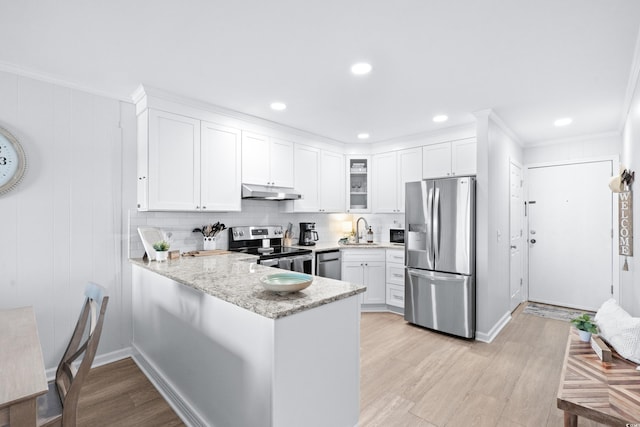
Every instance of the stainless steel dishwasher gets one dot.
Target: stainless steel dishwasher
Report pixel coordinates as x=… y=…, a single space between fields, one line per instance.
x=328 y=264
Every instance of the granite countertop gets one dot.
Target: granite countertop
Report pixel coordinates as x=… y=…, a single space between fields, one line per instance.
x=235 y=278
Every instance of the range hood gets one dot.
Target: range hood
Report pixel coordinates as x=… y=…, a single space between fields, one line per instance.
x=261 y=192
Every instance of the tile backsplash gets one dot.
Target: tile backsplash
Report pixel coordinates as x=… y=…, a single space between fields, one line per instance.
x=254 y=212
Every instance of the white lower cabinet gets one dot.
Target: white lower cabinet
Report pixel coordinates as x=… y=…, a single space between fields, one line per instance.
x=395 y=277
x=366 y=267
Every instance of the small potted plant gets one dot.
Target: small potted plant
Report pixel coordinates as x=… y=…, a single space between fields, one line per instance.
x=585 y=326
x=161 y=248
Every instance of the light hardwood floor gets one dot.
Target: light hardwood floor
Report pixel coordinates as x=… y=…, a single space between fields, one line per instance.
x=410 y=376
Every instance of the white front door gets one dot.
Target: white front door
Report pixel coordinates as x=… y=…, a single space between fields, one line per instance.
x=570 y=234
x=516 y=235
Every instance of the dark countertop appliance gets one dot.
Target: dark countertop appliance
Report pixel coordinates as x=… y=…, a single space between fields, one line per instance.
x=266 y=242
x=396 y=235
x=308 y=234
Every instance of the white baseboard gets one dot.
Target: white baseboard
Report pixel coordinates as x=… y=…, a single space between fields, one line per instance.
x=495 y=330
x=181 y=406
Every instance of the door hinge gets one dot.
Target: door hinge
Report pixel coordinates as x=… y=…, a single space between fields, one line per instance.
x=521 y=281
x=521 y=182
x=611 y=289
x=521 y=232
x=612 y=233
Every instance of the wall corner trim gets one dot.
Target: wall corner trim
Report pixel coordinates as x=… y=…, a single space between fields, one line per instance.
x=632 y=84
x=495 y=330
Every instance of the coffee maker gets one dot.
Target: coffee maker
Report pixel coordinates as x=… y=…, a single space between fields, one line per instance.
x=308 y=234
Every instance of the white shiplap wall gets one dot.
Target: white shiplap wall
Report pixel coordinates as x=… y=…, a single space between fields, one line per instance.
x=63 y=225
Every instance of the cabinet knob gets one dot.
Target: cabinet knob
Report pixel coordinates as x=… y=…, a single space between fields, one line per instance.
x=197 y=207
x=204 y=207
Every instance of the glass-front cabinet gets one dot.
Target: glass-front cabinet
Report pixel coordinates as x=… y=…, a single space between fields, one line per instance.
x=358 y=184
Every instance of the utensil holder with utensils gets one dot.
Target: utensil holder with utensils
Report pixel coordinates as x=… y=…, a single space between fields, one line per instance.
x=210 y=243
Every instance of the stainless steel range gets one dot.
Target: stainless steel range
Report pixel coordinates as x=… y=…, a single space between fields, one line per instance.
x=266 y=242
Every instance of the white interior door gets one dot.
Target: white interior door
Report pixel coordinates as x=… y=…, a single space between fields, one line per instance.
x=516 y=235
x=570 y=234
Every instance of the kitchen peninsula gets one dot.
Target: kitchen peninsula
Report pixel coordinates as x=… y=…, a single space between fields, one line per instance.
x=229 y=353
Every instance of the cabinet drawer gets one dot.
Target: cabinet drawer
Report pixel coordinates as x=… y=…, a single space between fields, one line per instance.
x=396 y=256
x=362 y=255
x=395 y=295
x=395 y=274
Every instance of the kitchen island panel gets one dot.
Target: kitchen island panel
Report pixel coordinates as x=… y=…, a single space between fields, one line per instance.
x=229 y=366
x=317 y=366
x=216 y=356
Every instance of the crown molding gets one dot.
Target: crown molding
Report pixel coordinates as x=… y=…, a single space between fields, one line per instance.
x=49 y=78
x=632 y=84
x=489 y=114
x=579 y=138
x=147 y=96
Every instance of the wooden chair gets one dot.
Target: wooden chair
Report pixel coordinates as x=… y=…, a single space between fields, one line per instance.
x=59 y=407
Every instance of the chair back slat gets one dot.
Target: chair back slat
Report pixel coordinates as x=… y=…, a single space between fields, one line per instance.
x=77 y=359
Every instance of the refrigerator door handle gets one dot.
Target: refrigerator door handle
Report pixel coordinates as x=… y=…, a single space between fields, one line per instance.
x=429 y=223
x=436 y=225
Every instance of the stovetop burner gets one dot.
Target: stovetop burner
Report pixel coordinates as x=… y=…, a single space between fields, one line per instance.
x=249 y=240
x=278 y=252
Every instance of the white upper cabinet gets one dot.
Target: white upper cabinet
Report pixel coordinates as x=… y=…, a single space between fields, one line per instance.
x=319 y=177
x=449 y=159
x=307 y=178
x=331 y=181
x=409 y=170
x=266 y=161
x=436 y=160
x=281 y=162
x=464 y=157
x=187 y=165
x=220 y=157
x=390 y=173
x=385 y=182
x=174 y=162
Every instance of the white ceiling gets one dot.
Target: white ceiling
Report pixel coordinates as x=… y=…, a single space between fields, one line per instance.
x=530 y=61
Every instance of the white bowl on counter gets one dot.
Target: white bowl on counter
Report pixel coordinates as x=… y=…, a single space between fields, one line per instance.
x=284 y=283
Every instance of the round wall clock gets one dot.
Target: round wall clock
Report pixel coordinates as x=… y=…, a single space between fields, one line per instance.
x=13 y=162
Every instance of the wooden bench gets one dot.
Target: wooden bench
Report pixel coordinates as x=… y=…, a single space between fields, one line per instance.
x=608 y=393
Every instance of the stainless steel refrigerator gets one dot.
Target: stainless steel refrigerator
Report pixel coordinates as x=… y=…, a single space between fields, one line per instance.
x=440 y=255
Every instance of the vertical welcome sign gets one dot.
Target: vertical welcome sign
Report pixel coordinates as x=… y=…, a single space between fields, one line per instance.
x=625 y=222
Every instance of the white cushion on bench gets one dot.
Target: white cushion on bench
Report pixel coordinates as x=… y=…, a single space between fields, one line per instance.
x=619 y=329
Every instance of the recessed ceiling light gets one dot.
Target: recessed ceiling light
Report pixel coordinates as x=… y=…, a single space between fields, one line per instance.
x=563 y=122
x=361 y=68
x=363 y=136
x=278 y=106
x=440 y=118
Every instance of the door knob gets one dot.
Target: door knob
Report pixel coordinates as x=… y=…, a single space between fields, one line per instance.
x=532 y=240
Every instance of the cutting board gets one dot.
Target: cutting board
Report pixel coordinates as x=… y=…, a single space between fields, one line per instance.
x=206 y=253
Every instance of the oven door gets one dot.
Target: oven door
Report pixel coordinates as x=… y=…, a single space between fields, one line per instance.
x=284 y=263
x=300 y=263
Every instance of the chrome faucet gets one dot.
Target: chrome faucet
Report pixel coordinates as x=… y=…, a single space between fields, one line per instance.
x=366 y=226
